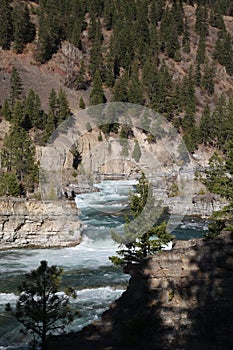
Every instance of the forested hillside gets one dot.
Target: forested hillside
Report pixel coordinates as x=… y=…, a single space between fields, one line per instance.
x=173 y=56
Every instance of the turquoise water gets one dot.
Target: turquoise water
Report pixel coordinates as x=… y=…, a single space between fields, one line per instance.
x=86 y=267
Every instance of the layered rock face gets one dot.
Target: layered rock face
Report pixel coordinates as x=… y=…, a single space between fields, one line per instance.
x=38 y=224
x=179 y=299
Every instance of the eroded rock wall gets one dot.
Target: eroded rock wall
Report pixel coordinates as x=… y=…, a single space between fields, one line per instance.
x=31 y=223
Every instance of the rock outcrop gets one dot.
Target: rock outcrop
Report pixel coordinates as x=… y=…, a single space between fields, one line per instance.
x=32 y=223
x=179 y=299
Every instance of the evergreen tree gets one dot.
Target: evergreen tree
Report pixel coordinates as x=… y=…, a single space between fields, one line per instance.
x=9 y=184
x=40 y=308
x=143 y=237
x=141 y=28
x=97 y=93
x=52 y=121
x=76 y=32
x=136 y=151
x=198 y=75
x=186 y=38
x=206 y=126
x=120 y=92
x=96 y=59
x=33 y=113
x=53 y=103
x=23 y=29
x=201 y=19
x=150 y=78
x=200 y=58
x=216 y=17
x=50 y=31
x=160 y=100
x=109 y=70
x=134 y=94
x=6 y=111
x=16 y=87
x=82 y=103
x=169 y=35
x=18 y=156
x=156 y=10
x=220 y=120
x=154 y=44
x=63 y=110
x=80 y=80
x=178 y=14
x=109 y=11
x=6 y=26
x=189 y=93
x=18 y=116
x=224 y=52
x=207 y=80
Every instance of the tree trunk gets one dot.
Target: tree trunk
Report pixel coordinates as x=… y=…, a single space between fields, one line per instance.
x=44 y=341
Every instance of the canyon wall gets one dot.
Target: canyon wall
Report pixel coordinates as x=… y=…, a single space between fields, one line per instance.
x=32 y=223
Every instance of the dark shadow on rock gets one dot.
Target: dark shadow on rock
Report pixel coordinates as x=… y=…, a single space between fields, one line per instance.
x=129 y=321
x=176 y=300
x=208 y=295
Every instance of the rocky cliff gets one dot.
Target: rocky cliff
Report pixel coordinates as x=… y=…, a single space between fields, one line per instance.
x=38 y=224
x=179 y=299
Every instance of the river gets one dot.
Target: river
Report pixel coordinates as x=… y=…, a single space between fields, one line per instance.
x=86 y=266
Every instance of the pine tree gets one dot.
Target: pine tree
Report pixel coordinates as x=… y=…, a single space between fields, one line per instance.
x=150 y=78
x=135 y=94
x=80 y=80
x=207 y=80
x=6 y=111
x=216 y=17
x=33 y=113
x=6 y=26
x=220 y=118
x=189 y=93
x=40 y=308
x=200 y=58
x=109 y=67
x=198 y=75
x=178 y=13
x=169 y=35
x=142 y=236
x=18 y=156
x=9 y=184
x=224 y=52
x=120 y=92
x=16 y=87
x=63 y=110
x=96 y=59
x=201 y=19
x=51 y=30
x=141 y=28
x=82 y=103
x=76 y=32
x=97 y=94
x=186 y=38
x=136 y=152
x=206 y=125
x=53 y=102
x=156 y=11
x=154 y=44
x=23 y=29
x=108 y=14
x=51 y=122
x=18 y=116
